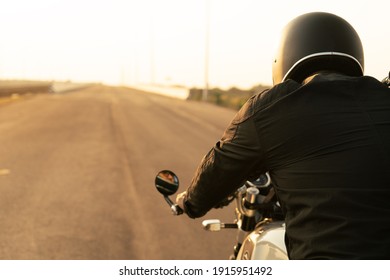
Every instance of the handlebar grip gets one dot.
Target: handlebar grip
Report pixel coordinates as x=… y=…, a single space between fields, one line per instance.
x=176 y=210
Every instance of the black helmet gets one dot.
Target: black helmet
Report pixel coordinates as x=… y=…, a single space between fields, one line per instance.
x=317 y=42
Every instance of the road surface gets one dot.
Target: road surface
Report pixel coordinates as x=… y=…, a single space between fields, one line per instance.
x=77 y=176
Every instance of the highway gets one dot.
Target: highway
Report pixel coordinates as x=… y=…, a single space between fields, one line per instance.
x=77 y=176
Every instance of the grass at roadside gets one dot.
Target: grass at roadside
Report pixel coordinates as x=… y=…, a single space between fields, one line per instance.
x=233 y=98
x=12 y=90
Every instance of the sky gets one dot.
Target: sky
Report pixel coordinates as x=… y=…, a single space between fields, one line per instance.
x=169 y=42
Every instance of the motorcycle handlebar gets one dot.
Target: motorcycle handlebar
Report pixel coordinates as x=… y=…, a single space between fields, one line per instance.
x=176 y=210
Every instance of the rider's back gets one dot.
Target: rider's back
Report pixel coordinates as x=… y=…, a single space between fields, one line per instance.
x=327 y=146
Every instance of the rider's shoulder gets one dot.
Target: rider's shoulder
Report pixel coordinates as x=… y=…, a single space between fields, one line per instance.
x=264 y=99
x=274 y=94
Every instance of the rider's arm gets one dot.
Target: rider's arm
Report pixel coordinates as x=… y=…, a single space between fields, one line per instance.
x=227 y=165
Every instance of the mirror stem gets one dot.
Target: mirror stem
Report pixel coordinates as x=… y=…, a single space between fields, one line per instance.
x=176 y=210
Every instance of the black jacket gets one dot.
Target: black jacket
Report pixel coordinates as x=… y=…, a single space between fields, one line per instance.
x=326 y=145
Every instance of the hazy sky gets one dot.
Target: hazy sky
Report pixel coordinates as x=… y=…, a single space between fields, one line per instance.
x=164 y=41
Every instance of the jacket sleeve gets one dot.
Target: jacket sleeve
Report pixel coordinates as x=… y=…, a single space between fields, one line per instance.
x=234 y=159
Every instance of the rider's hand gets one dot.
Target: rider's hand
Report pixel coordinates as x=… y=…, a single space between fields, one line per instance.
x=180 y=199
x=183 y=203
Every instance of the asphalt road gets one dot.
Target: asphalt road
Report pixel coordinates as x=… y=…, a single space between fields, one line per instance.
x=77 y=176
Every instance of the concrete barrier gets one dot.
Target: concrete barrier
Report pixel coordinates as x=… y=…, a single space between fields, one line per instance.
x=177 y=92
x=59 y=87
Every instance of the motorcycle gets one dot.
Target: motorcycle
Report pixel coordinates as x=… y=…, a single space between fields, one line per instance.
x=259 y=220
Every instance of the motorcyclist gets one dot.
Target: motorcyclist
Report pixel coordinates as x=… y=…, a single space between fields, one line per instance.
x=323 y=134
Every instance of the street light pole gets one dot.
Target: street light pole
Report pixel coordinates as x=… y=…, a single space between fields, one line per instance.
x=152 y=49
x=207 y=50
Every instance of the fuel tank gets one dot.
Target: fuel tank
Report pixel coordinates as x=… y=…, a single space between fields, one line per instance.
x=266 y=242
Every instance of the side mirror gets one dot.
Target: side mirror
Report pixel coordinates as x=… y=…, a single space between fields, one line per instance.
x=167 y=183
